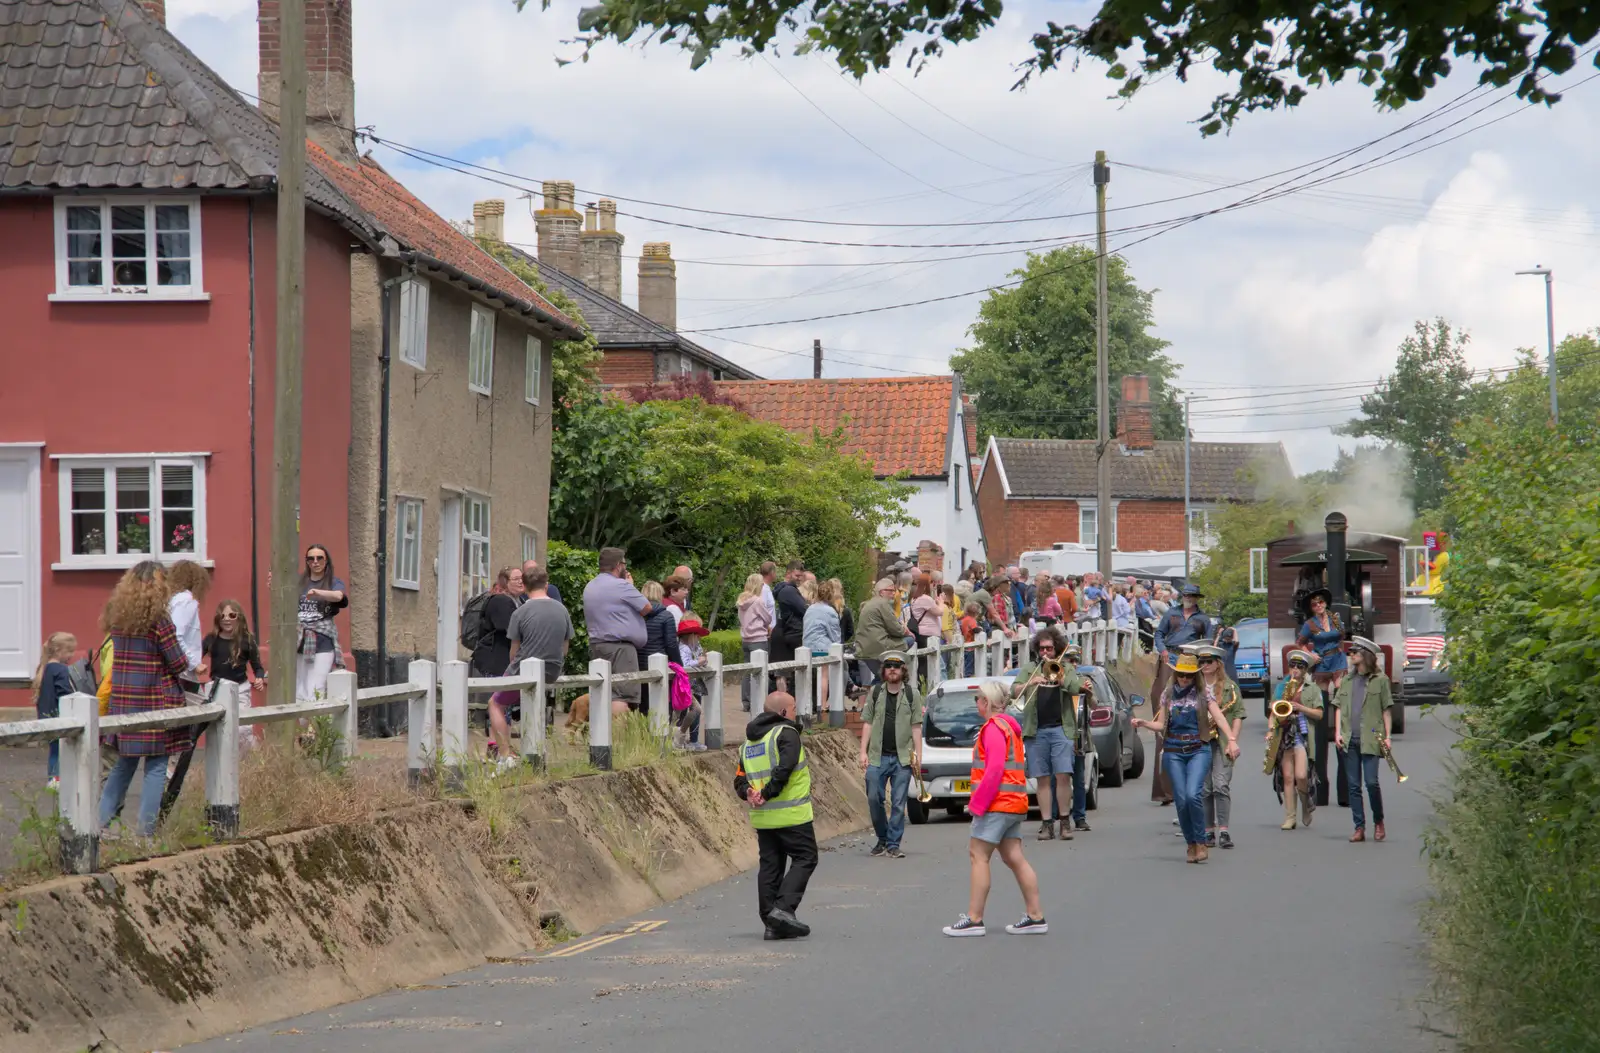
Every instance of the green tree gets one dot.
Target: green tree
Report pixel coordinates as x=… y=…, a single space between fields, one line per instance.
x=1032 y=363
x=574 y=364
x=675 y=481
x=1273 y=53
x=1418 y=405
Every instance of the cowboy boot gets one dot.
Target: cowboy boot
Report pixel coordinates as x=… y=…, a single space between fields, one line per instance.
x=1288 y=811
x=1378 y=832
x=1307 y=806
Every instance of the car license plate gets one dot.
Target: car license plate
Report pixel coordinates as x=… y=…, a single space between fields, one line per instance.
x=1410 y=679
x=961 y=786
x=1249 y=676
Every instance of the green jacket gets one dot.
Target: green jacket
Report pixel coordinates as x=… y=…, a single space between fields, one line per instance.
x=1071 y=692
x=1379 y=699
x=878 y=630
x=1231 y=703
x=1310 y=696
x=908 y=711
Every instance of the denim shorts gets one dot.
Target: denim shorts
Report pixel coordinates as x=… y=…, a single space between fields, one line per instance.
x=1049 y=753
x=994 y=827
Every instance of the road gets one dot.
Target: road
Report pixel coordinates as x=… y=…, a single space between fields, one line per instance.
x=1292 y=941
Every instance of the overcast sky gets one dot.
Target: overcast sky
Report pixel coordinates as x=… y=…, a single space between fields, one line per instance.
x=1317 y=287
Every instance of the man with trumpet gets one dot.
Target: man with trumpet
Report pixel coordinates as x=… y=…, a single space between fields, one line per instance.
x=891 y=747
x=1290 y=744
x=1361 y=709
x=1049 y=729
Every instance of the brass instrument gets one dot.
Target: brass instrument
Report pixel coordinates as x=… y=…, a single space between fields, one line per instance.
x=1054 y=673
x=923 y=794
x=1388 y=755
x=1282 y=710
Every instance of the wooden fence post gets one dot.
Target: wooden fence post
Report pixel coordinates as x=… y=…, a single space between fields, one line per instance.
x=836 y=682
x=758 y=687
x=342 y=685
x=804 y=695
x=713 y=713
x=222 y=764
x=660 y=695
x=533 y=753
x=453 y=725
x=600 y=715
x=80 y=784
x=420 y=719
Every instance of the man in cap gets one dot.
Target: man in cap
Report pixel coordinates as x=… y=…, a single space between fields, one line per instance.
x=891 y=746
x=1181 y=625
x=878 y=631
x=1361 y=726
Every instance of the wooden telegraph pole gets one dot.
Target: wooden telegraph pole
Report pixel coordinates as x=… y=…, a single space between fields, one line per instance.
x=1102 y=377
x=291 y=251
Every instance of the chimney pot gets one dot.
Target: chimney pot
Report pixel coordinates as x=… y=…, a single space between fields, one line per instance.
x=608 y=214
x=156 y=10
x=489 y=219
x=330 y=63
x=602 y=249
x=591 y=218
x=1134 y=428
x=658 y=284
x=560 y=229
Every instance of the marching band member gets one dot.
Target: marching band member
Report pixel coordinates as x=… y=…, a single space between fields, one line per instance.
x=1186 y=716
x=1323 y=634
x=1219 y=780
x=1361 y=712
x=1295 y=743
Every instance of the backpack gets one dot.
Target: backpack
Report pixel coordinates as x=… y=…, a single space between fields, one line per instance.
x=472 y=623
x=84 y=674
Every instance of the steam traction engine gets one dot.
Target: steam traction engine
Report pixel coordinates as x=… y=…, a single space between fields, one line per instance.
x=1364 y=572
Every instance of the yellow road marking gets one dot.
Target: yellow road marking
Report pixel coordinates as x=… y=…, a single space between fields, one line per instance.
x=589 y=944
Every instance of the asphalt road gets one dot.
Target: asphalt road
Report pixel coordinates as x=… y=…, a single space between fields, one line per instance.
x=1292 y=941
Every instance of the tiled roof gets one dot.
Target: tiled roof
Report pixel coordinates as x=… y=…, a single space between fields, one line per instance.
x=422 y=229
x=1218 y=471
x=616 y=325
x=95 y=95
x=900 y=424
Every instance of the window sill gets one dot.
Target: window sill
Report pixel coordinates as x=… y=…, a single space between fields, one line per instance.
x=124 y=562
x=104 y=297
x=408 y=586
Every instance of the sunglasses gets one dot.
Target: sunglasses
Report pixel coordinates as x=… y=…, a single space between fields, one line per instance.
x=1208 y=661
x=893 y=665
x=316 y=559
x=1299 y=665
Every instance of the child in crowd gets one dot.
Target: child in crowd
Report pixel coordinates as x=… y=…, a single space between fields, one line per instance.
x=969 y=632
x=231 y=653
x=692 y=655
x=50 y=684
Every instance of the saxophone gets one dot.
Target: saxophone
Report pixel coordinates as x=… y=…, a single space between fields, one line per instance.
x=1282 y=711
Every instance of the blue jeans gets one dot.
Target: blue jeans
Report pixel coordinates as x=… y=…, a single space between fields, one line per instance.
x=117 y=783
x=889 y=825
x=1363 y=769
x=1187 y=773
x=53 y=765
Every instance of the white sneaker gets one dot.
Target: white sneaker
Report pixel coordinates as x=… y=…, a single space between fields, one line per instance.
x=505 y=764
x=1029 y=927
x=54 y=785
x=965 y=926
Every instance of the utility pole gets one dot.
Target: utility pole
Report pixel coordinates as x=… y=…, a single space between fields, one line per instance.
x=816 y=360
x=1102 y=378
x=1188 y=534
x=1550 y=332
x=286 y=395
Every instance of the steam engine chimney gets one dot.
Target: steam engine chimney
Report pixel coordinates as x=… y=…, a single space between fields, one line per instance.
x=602 y=249
x=330 y=83
x=559 y=226
x=1134 y=429
x=658 y=284
x=489 y=219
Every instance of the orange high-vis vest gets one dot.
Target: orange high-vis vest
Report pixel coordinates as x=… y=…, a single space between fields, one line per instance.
x=1013 y=796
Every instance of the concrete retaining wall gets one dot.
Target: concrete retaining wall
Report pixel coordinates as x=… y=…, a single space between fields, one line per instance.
x=174 y=950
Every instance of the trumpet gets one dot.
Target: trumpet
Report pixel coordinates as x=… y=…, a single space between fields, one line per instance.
x=1388 y=755
x=923 y=794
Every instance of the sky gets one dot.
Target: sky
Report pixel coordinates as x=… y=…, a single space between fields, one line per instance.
x=1279 y=314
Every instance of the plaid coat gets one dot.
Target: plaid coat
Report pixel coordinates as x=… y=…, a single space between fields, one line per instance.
x=144 y=678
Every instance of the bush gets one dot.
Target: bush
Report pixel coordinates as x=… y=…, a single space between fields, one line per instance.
x=727 y=643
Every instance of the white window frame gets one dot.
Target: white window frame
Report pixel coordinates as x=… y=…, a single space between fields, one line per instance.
x=533 y=369
x=1093 y=510
x=408 y=540
x=530 y=543
x=480 y=351
x=1205 y=537
x=1090 y=505
x=106 y=292
x=153 y=463
x=414 y=295
x=476 y=575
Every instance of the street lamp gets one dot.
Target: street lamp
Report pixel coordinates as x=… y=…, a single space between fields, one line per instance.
x=1550 y=332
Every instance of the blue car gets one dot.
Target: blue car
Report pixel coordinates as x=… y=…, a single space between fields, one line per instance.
x=1250 y=661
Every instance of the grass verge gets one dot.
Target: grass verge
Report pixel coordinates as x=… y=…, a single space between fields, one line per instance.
x=1514 y=920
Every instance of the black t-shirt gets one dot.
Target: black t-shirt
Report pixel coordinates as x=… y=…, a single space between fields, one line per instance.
x=1049 y=706
x=493 y=652
x=226 y=665
x=891 y=700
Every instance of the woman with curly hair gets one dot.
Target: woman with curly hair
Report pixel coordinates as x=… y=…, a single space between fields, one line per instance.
x=147 y=662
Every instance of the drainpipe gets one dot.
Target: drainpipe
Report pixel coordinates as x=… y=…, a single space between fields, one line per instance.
x=383 y=485
x=250 y=255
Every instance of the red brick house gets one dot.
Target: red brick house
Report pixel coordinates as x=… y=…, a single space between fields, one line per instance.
x=1033 y=493
x=921 y=429
x=137 y=212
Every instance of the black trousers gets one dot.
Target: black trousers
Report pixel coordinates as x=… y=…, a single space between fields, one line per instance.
x=791 y=847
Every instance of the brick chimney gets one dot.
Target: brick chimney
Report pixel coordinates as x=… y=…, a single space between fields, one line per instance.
x=156 y=10
x=330 y=83
x=658 y=284
x=602 y=249
x=489 y=219
x=1134 y=429
x=560 y=226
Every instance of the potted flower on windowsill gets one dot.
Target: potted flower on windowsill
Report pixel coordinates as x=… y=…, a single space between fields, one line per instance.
x=182 y=539
x=134 y=537
x=94 y=542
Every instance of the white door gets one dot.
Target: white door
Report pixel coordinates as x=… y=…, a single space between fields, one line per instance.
x=19 y=562
x=447 y=647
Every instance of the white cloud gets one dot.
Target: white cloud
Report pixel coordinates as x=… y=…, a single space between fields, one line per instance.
x=1316 y=286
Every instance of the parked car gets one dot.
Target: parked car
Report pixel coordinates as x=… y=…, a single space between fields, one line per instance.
x=1426 y=677
x=1250 y=662
x=1119 y=749
x=949 y=731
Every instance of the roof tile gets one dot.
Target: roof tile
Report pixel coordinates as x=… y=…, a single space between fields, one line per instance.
x=900 y=424
x=1219 y=471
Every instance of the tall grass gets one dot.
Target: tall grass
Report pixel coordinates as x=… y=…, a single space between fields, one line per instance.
x=1515 y=920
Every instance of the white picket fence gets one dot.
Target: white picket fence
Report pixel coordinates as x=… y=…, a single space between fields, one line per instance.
x=439 y=710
